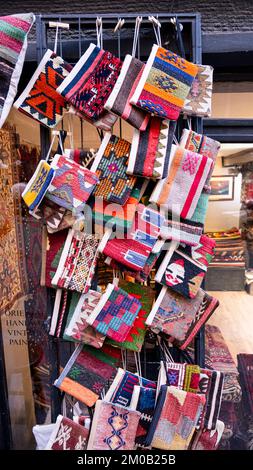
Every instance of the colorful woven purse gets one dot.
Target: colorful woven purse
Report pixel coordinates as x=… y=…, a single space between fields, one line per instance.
x=89 y=84
x=181 y=273
x=136 y=336
x=122 y=387
x=39 y=99
x=110 y=166
x=199 y=99
x=203 y=253
x=192 y=378
x=176 y=415
x=182 y=231
x=143 y=400
x=72 y=184
x=13 y=44
x=164 y=84
x=119 y=99
x=113 y=427
x=77 y=263
x=38 y=185
x=181 y=190
x=68 y=435
x=115 y=313
x=150 y=149
x=202 y=144
x=78 y=329
x=87 y=372
x=135 y=247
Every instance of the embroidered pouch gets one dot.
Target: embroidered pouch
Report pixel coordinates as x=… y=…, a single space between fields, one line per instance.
x=77 y=263
x=150 y=149
x=91 y=81
x=78 y=328
x=87 y=373
x=13 y=44
x=68 y=435
x=113 y=427
x=119 y=99
x=175 y=418
x=115 y=313
x=202 y=144
x=135 y=339
x=110 y=166
x=164 y=84
x=182 y=231
x=52 y=247
x=72 y=184
x=180 y=191
x=40 y=99
x=180 y=318
x=149 y=264
x=205 y=439
x=181 y=273
x=120 y=217
x=199 y=99
x=136 y=246
x=37 y=187
x=183 y=376
x=191 y=378
x=143 y=400
x=122 y=387
x=203 y=253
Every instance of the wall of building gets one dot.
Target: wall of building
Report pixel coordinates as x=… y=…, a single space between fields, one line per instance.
x=217 y=16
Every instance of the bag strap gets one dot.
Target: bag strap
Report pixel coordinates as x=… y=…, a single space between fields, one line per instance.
x=157 y=29
x=138 y=22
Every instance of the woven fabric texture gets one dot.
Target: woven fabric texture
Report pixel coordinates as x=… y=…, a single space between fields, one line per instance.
x=91 y=81
x=38 y=185
x=165 y=83
x=40 y=100
x=199 y=99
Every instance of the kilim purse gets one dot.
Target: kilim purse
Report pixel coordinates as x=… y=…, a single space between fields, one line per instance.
x=203 y=252
x=78 y=328
x=122 y=387
x=182 y=231
x=203 y=145
x=39 y=99
x=180 y=191
x=150 y=149
x=205 y=439
x=37 y=187
x=52 y=247
x=91 y=81
x=68 y=435
x=200 y=212
x=181 y=273
x=13 y=44
x=115 y=313
x=72 y=184
x=143 y=400
x=110 y=166
x=191 y=378
x=134 y=249
x=113 y=427
x=87 y=372
x=199 y=99
x=136 y=336
x=164 y=84
x=176 y=415
x=119 y=99
x=77 y=263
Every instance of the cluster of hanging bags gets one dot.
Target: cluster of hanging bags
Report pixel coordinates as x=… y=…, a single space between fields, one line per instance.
x=181 y=409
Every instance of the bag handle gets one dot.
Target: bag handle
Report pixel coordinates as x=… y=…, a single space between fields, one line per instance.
x=138 y=22
x=157 y=29
x=99 y=30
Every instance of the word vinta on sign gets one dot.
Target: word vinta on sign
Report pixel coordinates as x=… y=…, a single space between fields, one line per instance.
x=16 y=327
